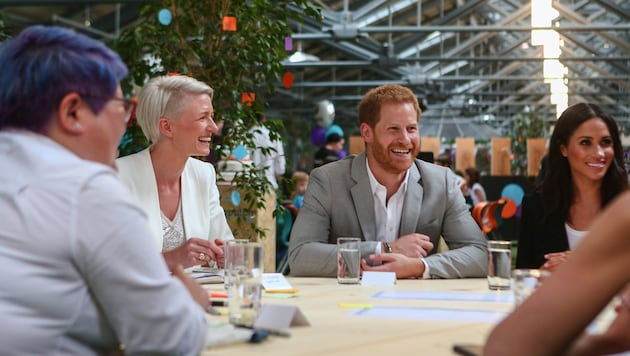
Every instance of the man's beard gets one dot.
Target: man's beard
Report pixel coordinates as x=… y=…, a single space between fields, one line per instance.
x=396 y=166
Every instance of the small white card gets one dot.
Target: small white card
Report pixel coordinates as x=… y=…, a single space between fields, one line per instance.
x=370 y=278
x=275 y=281
x=279 y=317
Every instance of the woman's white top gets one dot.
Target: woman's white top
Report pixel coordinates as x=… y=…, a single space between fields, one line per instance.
x=477 y=188
x=174 y=235
x=574 y=236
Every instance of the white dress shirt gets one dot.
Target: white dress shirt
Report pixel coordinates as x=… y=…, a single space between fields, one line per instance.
x=273 y=162
x=78 y=271
x=387 y=214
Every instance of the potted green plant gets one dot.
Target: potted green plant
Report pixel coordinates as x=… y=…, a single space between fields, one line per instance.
x=235 y=46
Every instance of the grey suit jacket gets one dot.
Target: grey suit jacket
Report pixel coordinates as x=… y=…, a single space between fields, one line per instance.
x=339 y=202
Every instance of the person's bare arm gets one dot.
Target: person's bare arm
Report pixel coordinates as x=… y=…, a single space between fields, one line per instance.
x=601 y=264
x=615 y=339
x=196 y=291
x=480 y=195
x=194 y=251
x=554 y=260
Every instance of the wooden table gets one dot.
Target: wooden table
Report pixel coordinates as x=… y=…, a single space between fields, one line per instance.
x=334 y=331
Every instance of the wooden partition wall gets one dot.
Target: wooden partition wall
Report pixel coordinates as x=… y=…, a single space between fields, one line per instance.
x=501 y=152
x=430 y=144
x=536 y=149
x=464 y=153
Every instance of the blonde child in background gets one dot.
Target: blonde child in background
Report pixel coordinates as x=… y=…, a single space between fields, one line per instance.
x=300 y=181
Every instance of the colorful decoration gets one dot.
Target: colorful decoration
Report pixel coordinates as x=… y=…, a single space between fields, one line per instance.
x=318 y=136
x=229 y=23
x=514 y=192
x=165 y=17
x=287 y=80
x=325 y=113
x=248 y=98
x=240 y=152
x=288 y=43
x=489 y=215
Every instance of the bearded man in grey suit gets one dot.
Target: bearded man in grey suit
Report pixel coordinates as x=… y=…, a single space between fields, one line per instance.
x=399 y=206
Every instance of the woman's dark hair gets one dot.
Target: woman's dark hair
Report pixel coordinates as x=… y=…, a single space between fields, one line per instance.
x=557 y=187
x=474 y=175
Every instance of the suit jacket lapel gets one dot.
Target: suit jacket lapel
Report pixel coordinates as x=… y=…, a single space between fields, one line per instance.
x=147 y=192
x=413 y=202
x=362 y=197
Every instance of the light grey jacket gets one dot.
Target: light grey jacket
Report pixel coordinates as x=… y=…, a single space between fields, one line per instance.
x=339 y=202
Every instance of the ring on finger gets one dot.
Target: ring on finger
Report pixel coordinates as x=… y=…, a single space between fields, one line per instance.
x=202 y=256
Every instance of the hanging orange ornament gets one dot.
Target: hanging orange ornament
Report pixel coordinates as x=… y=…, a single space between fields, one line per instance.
x=248 y=98
x=229 y=23
x=287 y=80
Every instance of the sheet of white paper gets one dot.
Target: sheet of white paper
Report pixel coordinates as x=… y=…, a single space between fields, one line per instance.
x=206 y=270
x=427 y=313
x=275 y=281
x=378 y=278
x=495 y=297
x=207 y=278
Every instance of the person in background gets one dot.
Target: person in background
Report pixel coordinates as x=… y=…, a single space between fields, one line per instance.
x=178 y=192
x=464 y=188
x=475 y=189
x=77 y=276
x=329 y=152
x=585 y=173
x=398 y=205
x=273 y=161
x=568 y=300
x=300 y=181
x=444 y=160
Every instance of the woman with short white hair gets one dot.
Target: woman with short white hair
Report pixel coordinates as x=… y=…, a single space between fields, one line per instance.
x=178 y=192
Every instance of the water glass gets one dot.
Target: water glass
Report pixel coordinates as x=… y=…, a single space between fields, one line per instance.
x=525 y=282
x=245 y=282
x=499 y=264
x=348 y=260
x=226 y=263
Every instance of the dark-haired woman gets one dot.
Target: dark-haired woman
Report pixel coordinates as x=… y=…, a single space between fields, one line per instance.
x=586 y=171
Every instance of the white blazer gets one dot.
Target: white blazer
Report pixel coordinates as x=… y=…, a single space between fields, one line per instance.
x=201 y=209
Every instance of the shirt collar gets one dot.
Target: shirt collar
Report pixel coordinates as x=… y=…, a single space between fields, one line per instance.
x=375 y=185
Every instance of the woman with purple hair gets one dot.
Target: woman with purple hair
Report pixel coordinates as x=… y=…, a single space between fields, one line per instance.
x=78 y=277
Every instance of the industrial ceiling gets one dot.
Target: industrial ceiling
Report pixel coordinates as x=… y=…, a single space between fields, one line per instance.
x=472 y=63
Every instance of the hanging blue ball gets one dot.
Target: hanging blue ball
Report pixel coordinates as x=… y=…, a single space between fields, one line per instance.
x=165 y=17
